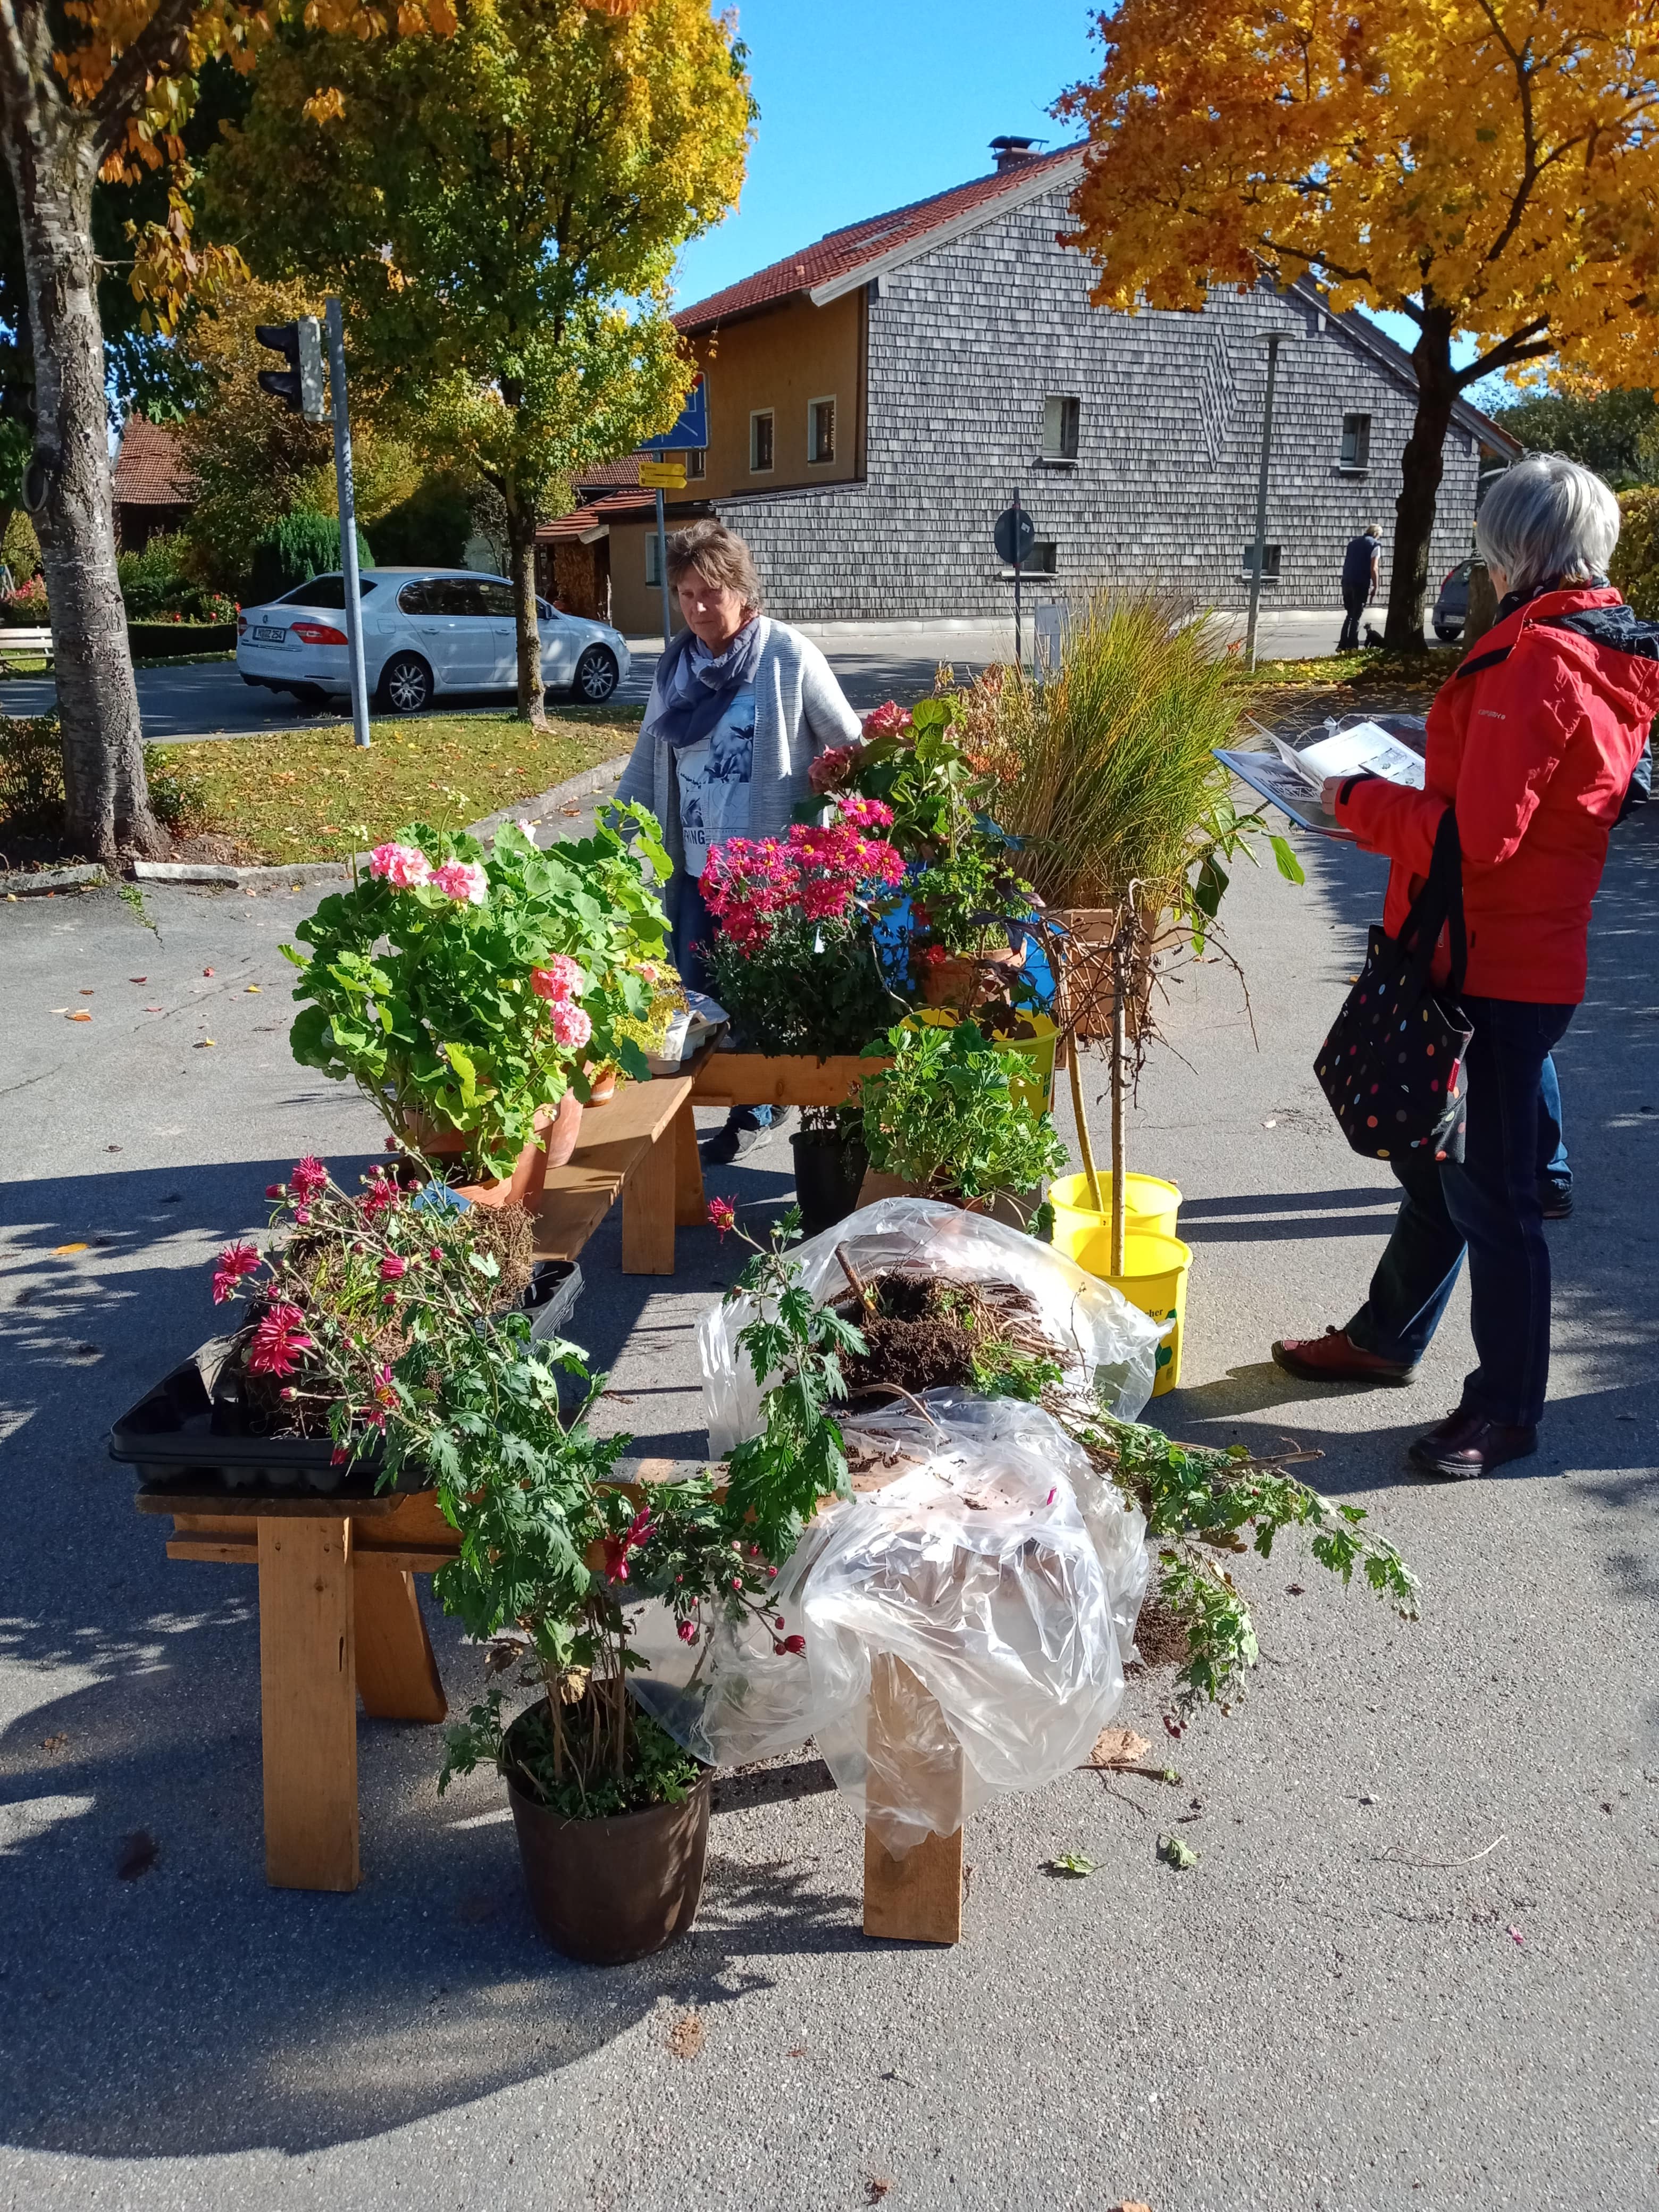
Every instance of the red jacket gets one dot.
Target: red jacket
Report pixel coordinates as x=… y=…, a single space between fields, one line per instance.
x=1534 y=740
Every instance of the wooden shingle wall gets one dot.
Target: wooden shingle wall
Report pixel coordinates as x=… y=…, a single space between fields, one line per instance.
x=964 y=345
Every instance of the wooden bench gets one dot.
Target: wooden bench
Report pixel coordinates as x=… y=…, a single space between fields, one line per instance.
x=640 y=1146
x=33 y=643
x=339 y=1619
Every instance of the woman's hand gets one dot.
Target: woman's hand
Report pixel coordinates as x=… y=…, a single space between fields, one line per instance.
x=1327 y=792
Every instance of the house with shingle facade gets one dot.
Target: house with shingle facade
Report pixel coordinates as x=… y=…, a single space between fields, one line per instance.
x=875 y=401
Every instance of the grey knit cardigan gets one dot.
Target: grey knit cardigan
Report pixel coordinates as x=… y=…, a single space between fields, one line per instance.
x=799 y=712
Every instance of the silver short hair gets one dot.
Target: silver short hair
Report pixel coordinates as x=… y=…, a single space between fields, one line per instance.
x=1548 y=518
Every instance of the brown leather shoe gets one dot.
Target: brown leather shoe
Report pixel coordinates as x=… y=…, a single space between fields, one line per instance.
x=1467 y=1444
x=1335 y=1358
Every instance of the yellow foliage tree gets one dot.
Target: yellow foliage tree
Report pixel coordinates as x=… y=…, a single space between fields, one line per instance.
x=1483 y=167
x=100 y=88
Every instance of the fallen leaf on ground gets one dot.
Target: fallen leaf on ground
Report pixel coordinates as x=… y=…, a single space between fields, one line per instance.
x=80 y=1015
x=86 y=991
x=58 y=1250
x=875 y=2191
x=135 y=1855
x=688 y=2035
x=1117 y=1747
x=1131 y=2205
x=138 y=979
x=202 y=1043
x=53 y=1743
x=1069 y=1862
x=254 y=988
x=207 y=971
x=154 y=1010
x=1519 y=1936
x=1176 y=1853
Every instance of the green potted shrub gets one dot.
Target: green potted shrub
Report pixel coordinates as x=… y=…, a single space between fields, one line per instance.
x=945 y=1120
x=468 y=993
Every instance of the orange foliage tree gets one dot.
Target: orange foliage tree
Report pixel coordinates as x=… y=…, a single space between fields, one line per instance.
x=1483 y=167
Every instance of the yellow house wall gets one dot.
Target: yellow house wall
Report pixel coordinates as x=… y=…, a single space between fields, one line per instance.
x=784 y=360
x=636 y=606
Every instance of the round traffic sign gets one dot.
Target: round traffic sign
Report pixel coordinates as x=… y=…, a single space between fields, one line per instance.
x=1014 y=529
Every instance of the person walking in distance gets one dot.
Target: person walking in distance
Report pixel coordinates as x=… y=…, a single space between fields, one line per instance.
x=1359 y=566
x=1533 y=744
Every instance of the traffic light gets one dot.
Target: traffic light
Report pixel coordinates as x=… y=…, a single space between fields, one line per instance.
x=300 y=385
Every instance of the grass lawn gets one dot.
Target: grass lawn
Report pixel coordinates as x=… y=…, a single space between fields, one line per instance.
x=312 y=795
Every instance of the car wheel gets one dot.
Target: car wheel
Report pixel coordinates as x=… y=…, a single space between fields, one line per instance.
x=1449 y=634
x=596 y=676
x=309 y=698
x=406 y=684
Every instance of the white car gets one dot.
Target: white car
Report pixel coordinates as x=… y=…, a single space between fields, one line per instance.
x=426 y=632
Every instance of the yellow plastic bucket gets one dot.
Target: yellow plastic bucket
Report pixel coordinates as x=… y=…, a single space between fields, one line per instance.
x=1154 y=1278
x=1150 y=1209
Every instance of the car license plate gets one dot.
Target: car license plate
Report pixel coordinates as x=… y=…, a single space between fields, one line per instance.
x=264 y=635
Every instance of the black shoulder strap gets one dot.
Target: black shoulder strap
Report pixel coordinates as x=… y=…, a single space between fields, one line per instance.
x=1439 y=904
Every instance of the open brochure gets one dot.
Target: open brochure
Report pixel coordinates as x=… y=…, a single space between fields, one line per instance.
x=1291 y=777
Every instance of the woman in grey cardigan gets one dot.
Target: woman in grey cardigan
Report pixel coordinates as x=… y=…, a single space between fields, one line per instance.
x=739 y=708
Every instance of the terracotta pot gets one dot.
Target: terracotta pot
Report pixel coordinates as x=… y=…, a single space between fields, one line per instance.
x=608 y=1891
x=601 y=1085
x=965 y=980
x=558 y=1129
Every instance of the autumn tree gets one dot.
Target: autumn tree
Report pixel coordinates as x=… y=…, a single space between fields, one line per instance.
x=500 y=213
x=1483 y=167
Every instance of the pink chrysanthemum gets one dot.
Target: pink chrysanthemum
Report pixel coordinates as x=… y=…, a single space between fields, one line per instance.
x=866 y=813
x=233 y=1262
x=278 y=1340
x=722 y=1215
x=401 y=866
x=309 y=1180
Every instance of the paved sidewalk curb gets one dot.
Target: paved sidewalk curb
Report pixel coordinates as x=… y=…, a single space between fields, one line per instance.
x=51 y=880
x=573 y=789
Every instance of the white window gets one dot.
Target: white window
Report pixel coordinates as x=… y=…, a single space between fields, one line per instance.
x=821 y=430
x=1269 y=561
x=760 y=443
x=653 y=557
x=1042 y=560
x=696 y=460
x=1060 y=424
x=1356 y=441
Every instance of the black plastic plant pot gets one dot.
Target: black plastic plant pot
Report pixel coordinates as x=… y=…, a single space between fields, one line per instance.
x=194 y=1428
x=828 y=1173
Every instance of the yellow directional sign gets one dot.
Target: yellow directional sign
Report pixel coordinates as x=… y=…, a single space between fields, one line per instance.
x=670 y=475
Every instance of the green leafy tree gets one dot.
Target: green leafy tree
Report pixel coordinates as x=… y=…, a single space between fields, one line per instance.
x=1609 y=428
x=500 y=211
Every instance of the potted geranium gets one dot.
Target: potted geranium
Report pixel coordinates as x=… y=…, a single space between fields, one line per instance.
x=474 y=996
x=794 y=963
x=945 y=1119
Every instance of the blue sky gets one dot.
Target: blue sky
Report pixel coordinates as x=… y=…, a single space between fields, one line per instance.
x=867 y=105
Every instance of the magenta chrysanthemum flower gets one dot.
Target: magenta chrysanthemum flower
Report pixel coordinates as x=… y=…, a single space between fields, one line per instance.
x=722 y=1215
x=278 y=1340
x=309 y=1180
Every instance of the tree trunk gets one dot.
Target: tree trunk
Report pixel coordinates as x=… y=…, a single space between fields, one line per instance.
x=521 y=519
x=1421 y=472
x=107 y=814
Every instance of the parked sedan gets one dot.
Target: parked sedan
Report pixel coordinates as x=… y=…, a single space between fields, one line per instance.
x=1451 y=605
x=426 y=632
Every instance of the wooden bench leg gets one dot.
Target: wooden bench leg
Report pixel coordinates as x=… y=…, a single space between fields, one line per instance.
x=308 y=1702
x=917 y=1899
x=396 y=1673
x=691 y=1208
x=648 y=1210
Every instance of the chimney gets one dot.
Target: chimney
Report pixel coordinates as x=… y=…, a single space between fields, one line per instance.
x=1013 y=153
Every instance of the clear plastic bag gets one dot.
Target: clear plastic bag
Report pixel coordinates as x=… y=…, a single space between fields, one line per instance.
x=987 y=1591
x=1106 y=1345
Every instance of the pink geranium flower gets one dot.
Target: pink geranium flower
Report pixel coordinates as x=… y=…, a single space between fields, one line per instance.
x=278 y=1340
x=561 y=978
x=401 y=866
x=831 y=769
x=571 y=1026
x=462 y=879
x=890 y=719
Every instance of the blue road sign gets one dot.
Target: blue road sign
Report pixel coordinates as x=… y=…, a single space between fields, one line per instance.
x=691 y=429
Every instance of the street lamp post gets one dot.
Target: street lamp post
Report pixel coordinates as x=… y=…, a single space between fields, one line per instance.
x=1275 y=338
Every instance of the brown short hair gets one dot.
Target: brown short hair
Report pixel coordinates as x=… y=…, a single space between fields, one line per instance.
x=719 y=556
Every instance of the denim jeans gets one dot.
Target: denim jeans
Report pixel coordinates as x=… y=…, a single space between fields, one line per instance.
x=693 y=927
x=1552 y=1164
x=1488 y=1205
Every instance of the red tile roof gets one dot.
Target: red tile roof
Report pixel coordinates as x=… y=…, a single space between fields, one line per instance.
x=150 y=470
x=616 y=507
x=604 y=474
x=844 y=253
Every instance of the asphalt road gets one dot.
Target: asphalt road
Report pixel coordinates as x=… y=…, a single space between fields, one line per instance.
x=874 y=661
x=1413 y=1967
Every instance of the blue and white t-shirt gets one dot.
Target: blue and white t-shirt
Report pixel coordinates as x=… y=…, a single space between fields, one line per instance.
x=714 y=776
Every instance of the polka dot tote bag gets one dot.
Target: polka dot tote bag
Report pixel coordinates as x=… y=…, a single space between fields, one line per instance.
x=1392 y=1067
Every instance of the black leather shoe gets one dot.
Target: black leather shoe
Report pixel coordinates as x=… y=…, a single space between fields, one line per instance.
x=1467 y=1444
x=1556 y=1199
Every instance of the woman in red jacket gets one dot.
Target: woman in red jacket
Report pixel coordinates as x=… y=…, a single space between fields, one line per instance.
x=1533 y=742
